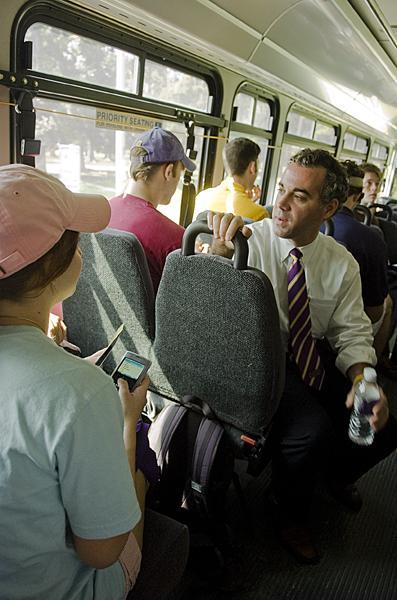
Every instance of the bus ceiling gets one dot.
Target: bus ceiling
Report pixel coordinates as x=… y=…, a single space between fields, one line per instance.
x=340 y=52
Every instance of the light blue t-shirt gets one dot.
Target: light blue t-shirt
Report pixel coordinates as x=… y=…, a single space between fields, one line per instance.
x=62 y=467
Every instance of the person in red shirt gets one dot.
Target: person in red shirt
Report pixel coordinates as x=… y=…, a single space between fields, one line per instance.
x=157 y=163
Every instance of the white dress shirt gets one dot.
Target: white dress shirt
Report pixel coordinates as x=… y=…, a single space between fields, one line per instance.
x=333 y=286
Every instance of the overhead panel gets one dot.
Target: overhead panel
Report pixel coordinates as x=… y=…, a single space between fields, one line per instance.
x=258 y=15
x=199 y=20
x=389 y=10
x=316 y=34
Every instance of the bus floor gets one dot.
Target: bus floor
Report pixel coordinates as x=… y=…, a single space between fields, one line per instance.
x=359 y=551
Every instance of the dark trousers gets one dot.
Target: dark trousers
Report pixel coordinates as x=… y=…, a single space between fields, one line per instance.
x=311 y=437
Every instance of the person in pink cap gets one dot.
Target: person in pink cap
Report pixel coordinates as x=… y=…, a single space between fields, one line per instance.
x=71 y=498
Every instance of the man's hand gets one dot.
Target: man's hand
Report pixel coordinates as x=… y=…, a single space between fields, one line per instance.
x=224 y=227
x=380 y=411
x=255 y=193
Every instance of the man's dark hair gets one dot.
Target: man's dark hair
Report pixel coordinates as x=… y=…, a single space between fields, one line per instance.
x=370 y=168
x=335 y=183
x=32 y=279
x=353 y=170
x=238 y=154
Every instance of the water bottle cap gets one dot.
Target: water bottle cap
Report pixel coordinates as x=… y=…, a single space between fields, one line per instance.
x=369 y=374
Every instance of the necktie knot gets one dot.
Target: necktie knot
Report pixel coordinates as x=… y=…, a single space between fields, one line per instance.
x=296 y=253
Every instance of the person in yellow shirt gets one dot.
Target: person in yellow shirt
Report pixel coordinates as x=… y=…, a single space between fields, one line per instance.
x=237 y=193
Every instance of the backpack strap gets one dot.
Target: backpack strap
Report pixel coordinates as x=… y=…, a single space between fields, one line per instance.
x=163 y=429
x=205 y=448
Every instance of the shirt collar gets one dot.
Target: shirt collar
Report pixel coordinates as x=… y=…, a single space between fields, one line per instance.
x=230 y=184
x=308 y=251
x=346 y=211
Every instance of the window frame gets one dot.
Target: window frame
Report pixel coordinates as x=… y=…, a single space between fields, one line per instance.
x=79 y=21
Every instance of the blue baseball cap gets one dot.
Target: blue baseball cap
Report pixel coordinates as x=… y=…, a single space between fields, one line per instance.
x=162 y=146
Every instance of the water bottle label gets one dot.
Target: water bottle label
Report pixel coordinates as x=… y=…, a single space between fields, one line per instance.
x=365 y=407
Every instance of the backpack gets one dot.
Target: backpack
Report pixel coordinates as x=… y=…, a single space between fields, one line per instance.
x=195 y=461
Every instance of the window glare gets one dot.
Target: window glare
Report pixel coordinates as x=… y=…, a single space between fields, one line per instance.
x=245 y=108
x=287 y=151
x=170 y=85
x=300 y=125
x=262 y=115
x=60 y=52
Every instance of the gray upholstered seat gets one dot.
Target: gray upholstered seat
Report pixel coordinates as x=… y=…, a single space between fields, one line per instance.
x=218 y=335
x=115 y=287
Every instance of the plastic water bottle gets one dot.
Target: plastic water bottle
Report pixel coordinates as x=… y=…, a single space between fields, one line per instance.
x=367 y=395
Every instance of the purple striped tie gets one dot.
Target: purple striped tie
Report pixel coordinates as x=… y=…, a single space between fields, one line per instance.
x=301 y=342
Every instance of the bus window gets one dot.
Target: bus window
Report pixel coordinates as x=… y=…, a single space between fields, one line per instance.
x=174 y=86
x=262 y=143
x=253 y=120
x=245 y=108
x=305 y=131
x=355 y=147
x=89 y=158
x=56 y=51
x=379 y=154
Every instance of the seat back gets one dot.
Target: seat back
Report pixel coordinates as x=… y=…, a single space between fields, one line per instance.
x=389 y=230
x=114 y=287
x=385 y=212
x=363 y=214
x=218 y=335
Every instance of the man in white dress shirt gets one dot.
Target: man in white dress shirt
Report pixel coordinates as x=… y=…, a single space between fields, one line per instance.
x=310 y=430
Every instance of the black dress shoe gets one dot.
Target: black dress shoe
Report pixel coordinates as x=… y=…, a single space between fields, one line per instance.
x=297 y=540
x=348 y=495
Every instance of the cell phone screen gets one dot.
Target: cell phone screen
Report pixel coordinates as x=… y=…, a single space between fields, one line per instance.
x=131 y=368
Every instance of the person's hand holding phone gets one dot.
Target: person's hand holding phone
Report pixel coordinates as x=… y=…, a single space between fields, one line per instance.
x=132 y=402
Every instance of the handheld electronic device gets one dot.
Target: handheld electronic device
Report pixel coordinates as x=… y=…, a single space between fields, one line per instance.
x=99 y=361
x=132 y=368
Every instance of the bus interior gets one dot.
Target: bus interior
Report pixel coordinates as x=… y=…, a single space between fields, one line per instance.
x=80 y=80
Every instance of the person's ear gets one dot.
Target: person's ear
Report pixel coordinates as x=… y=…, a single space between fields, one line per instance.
x=331 y=208
x=168 y=171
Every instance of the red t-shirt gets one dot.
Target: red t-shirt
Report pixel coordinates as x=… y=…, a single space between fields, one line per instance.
x=157 y=233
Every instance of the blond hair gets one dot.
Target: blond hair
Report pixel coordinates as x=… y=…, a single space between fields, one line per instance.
x=144 y=171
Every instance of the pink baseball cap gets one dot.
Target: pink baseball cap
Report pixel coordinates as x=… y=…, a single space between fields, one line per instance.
x=35 y=210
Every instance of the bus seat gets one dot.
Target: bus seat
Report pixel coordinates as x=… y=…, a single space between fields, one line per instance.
x=389 y=230
x=164 y=557
x=115 y=287
x=363 y=214
x=218 y=335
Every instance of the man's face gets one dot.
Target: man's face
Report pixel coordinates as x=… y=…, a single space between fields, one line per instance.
x=299 y=212
x=371 y=184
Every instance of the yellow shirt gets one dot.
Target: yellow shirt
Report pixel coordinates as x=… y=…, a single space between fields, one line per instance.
x=230 y=196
